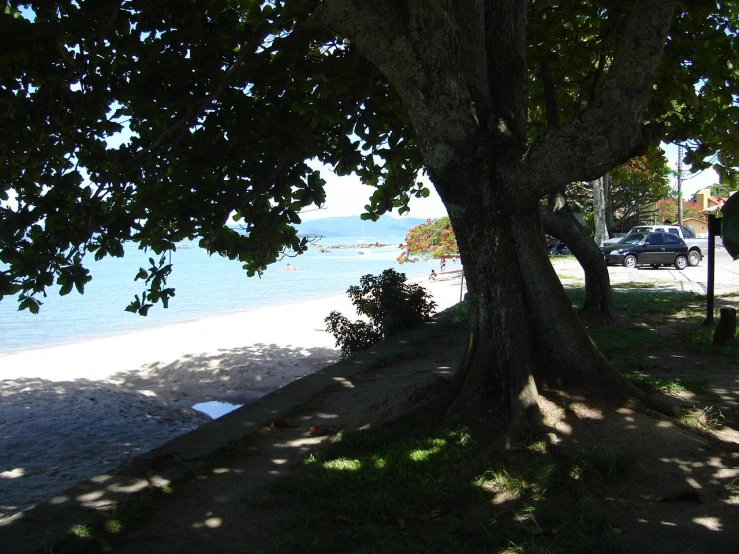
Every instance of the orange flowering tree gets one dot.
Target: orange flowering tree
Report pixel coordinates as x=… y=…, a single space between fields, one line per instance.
x=433 y=239
x=667 y=209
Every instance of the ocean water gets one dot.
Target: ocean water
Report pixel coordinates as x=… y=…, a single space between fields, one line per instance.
x=205 y=285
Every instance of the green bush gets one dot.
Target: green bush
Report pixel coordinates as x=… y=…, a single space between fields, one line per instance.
x=390 y=306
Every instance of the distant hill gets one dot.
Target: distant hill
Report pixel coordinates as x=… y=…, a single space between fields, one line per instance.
x=353 y=226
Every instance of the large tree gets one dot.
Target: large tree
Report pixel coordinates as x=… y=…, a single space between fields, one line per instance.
x=226 y=100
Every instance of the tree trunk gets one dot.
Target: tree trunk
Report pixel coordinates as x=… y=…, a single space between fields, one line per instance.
x=524 y=333
x=598 y=295
x=599 y=208
x=459 y=69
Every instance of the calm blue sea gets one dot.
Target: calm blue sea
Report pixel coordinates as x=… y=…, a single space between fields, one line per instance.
x=205 y=285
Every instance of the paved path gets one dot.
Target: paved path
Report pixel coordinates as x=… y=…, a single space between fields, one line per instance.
x=691 y=279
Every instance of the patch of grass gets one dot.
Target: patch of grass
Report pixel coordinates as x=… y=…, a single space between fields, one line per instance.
x=648 y=306
x=626 y=339
x=387 y=490
x=402 y=489
x=114 y=525
x=82 y=531
x=655 y=306
x=634 y=285
x=673 y=386
x=502 y=481
x=454 y=318
x=699 y=338
x=706 y=418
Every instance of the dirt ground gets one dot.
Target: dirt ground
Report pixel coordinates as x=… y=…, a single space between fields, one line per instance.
x=683 y=496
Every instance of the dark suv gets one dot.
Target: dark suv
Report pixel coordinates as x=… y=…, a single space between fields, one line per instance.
x=655 y=249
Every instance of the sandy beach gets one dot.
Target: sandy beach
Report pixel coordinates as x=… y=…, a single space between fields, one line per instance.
x=72 y=411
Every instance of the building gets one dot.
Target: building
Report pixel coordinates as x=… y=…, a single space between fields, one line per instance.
x=707 y=202
x=699 y=226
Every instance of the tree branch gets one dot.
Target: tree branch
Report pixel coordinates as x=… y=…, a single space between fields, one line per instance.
x=505 y=36
x=610 y=130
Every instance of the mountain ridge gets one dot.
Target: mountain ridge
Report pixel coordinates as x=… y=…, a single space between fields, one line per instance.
x=354 y=226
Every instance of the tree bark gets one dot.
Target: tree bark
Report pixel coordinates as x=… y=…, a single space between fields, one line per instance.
x=598 y=295
x=599 y=208
x=527 y=334
x=471 y=128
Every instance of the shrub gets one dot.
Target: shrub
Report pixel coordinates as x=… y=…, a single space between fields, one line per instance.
x=390 y=306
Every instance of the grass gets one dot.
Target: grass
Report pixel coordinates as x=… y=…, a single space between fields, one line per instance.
x=643 y=312
x=387 y=490
x=648 y=306
x=634 y=285
x=405 y=489
x=705 y=418
x=672 y=386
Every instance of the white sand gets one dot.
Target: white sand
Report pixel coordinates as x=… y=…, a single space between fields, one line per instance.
x=69 y=412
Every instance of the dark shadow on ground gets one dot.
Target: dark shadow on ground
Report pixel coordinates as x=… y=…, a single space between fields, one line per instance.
x=238 y=375
x=54 y=434
x=622 y=479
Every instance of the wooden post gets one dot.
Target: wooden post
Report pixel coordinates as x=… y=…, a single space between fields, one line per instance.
x=726 y=329
x=714 y=228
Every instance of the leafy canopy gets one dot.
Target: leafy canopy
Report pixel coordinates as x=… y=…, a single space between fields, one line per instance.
x=142 y=122
x=150 y=124
x=635 y=188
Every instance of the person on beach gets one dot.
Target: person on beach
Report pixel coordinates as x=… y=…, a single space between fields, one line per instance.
x=443 y=264
x=432 y=277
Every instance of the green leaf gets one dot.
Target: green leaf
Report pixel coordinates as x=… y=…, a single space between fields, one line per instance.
x=66 y=288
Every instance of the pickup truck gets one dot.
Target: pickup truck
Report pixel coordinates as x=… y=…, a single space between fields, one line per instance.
x=696 y=246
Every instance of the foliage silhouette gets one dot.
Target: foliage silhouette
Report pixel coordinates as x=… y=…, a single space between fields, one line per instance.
x=390 y=304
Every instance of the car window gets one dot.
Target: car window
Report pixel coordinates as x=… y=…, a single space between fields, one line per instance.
x=640 y=230
x=672 y=239
x=634 y=238
x=654 y=239
x=688 y=232
x=660 y=229
x=674 y=231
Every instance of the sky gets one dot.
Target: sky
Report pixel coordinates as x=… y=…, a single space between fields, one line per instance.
x=692 y=182
x=348 y=196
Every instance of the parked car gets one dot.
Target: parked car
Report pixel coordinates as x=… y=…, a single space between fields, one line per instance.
x=559 y=248
x=655 y=249
x=696 y=246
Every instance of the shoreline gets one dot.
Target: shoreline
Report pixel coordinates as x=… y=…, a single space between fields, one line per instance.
x=80 y=409
x=187 y=318
x=120 y=334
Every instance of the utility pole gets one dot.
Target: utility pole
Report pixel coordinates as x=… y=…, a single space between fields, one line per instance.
x=680 y=184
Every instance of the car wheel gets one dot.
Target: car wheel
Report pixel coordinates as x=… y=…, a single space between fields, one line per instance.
x=694 y=258
x=681 y=262
x=630 y=261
